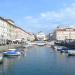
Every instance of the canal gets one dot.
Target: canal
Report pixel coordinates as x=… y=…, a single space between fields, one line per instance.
x=38 y=61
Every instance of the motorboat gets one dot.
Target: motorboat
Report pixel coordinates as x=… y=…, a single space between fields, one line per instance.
x=64 y=49
x=26 y=46
x=71 y=52
x=59 y=48
x=40 y=44
x=11 y=53
x=12 y=49
x=1 y=57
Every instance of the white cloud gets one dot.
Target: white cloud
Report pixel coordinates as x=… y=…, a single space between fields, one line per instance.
x=67 y=13
x=50 y=19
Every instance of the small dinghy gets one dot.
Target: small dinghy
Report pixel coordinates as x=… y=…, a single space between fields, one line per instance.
x=12 y=49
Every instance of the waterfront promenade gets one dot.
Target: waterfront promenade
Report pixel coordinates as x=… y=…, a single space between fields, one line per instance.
x=6 y=47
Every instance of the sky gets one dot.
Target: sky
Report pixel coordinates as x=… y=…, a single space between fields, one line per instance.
x=39 y=15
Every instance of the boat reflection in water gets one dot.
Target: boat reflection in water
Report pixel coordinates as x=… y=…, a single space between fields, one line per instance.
x=10 y=62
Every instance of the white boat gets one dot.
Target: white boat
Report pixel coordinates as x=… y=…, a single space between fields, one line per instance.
x=12 y=49
x=1 y=57
x=71 y=52
x=59 y=48
x=40 y=43
x=26 y=46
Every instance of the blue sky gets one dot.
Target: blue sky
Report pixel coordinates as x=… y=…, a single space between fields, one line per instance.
x=39 y=15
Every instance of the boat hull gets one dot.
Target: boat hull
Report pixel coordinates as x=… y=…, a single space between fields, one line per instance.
x=40 y=44
x=71 y=52
x=1 y=58
x=12 y=53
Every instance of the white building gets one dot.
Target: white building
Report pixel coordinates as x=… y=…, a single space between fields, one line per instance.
x=62 y=34
x=41 y=36
x=3 y=30
x=9 y=31
x=21 y=34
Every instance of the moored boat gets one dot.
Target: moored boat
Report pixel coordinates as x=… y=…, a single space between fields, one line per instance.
x=1 y=57
x=64 y=49
x=71 y=52
x=40 y=44
x=11 y=53
x=26 y=46
x=60 y=48
x=12 y=49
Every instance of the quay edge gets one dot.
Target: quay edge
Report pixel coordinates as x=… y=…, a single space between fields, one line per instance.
x=6 y=47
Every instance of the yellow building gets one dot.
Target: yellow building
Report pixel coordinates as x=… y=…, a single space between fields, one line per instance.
x=31 y=37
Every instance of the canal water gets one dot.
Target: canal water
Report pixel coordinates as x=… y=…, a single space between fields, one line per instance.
x=38 y=61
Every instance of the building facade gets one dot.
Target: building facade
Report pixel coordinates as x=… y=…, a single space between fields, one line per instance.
x=9 y=31
x=31 y=37
x=62 y=34
x=41 y=36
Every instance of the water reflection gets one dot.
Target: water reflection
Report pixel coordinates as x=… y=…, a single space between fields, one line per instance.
x=38 y=61
x=10 y=61
x=1 y=69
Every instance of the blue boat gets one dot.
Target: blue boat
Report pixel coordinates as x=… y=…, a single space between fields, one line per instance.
x=12 y=53
x=60 y=48
x=63 y=49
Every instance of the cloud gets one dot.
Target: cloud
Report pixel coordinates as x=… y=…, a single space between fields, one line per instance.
x=66 y=15
x=48 y=20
